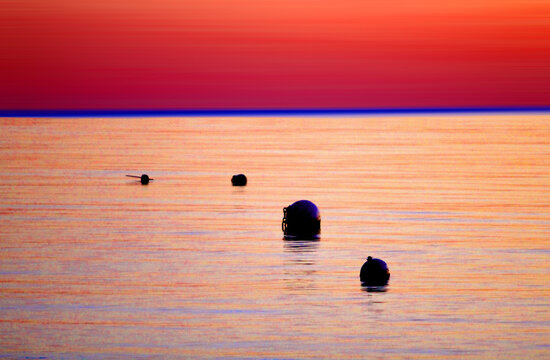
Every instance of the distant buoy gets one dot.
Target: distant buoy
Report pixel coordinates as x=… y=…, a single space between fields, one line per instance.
x=143 y=178
x=238 y=180
x=374 y=272
x=301 y=220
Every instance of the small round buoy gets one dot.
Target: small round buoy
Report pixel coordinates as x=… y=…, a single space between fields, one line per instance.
x=301 y=219
x=238 y=180
x=145 y=179
x=374 y=272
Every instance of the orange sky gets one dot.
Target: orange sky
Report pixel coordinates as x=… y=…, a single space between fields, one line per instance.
x=235 y=54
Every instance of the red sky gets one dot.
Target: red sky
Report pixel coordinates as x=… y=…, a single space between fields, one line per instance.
x=236 y=54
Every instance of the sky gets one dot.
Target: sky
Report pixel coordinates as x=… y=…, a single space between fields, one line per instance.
x=273 y=54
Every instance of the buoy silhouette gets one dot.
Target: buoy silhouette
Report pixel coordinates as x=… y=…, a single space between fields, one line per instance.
x=374 y=272
x=301 y=220
x=238 y=180
x=143 y=178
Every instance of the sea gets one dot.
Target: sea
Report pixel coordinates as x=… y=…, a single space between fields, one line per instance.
x=95 y=265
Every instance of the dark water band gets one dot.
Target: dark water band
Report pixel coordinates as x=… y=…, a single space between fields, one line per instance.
x=266 y=112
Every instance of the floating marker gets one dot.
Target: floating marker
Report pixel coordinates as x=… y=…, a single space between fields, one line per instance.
x=143 y=178
x=301 y=220
x=374 y=272
x=238 y=180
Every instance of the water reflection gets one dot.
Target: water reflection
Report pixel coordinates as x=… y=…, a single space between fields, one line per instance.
x=372 y=289
x=300 y=260
x=300 y=245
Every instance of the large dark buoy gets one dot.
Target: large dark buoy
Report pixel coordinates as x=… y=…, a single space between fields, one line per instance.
x=238 y=180
x=143 y=178
x=301 y=220
x=374 y=272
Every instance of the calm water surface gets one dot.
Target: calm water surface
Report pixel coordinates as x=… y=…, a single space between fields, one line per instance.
x=94 y=265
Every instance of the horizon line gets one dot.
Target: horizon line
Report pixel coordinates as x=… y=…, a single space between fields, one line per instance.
x=46 y=113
